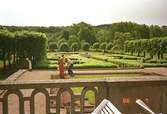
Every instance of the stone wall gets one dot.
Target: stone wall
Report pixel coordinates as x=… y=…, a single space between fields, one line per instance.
x=122 y=92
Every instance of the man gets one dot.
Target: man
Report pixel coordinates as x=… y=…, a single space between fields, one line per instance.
x=29 y=64
x=61 y=66
x=70 y=67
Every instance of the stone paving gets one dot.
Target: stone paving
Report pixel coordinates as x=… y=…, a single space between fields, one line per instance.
x=46 y=74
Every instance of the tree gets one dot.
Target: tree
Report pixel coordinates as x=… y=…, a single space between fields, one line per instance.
x=64 y=47
x=103 y=46
x=96 y=45
x=155 y=31
x=65 y=34
x=85 y=46
x=164 y=30
x=153 y=46
x=6 y=46
x=109 y=46
x=75 y=47
x=53 y=46
x=74 y=39
x=119 y=40
x=127 y=36
x=87 y=35
x=32 y=45
x=104 y=35
x=60 y=41
x=163 y=46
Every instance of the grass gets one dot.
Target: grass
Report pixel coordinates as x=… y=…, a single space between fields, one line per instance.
x=89 y=94
x=155 y=64
x=89 y=62
x=80 y=61
x=98 y=60
x=126 y=61
x=120 y=60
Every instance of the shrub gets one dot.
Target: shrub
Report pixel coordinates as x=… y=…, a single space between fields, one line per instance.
x=103 y=46
x=64 y=47
x=156 y=61
x=96 y=45
x=86 y=46
x=109 y=46
x=31 y=44
x=53 y=46
x=75 y=46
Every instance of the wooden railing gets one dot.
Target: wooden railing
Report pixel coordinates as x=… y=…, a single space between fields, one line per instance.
x=122 y=92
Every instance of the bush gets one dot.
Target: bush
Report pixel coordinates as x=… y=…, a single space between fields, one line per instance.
x=103 y=46
x=31 y=44
x=86 y=46
x=53 y=46
x=96 y=45
x=109 y=46
x=131 y=58
x=154 y=65
x=75 y=46
x=156 y=61
x=64 y=47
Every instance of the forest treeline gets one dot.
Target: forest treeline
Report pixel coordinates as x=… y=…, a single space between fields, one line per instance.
x=76 y=36
x=117 y=37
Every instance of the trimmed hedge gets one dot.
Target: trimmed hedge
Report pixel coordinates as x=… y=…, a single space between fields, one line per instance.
x=19 y=45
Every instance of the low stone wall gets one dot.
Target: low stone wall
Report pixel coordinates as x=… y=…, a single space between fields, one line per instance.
x=122 y=92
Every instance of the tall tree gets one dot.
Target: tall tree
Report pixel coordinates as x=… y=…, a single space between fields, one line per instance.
x=87 y=35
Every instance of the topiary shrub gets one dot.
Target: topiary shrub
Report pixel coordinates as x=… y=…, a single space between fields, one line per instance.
x=64 y=47
x=96 y=46
x=85 y=46
x=53 y=46
x=75 y=46
x=103 y=45
x=109 y=46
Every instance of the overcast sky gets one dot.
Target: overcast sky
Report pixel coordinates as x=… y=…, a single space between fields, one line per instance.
x=95 y=12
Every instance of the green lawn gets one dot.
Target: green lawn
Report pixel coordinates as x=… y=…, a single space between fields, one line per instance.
x=89 y=94
x=85 y=62
x=99 y=60
x=119 y=60
x=79 y=60
x=126 y=61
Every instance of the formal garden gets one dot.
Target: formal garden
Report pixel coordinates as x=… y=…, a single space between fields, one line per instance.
x=123 y=45
x=101 y=60
x=118 y=46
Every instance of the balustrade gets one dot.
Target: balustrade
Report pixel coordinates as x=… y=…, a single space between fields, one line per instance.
x=122 y=92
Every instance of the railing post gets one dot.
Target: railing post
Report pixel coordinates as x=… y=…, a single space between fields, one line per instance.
x=93 y=89
x=103 y=93
x=32 y=100
x=21 y=100
x=5 y=105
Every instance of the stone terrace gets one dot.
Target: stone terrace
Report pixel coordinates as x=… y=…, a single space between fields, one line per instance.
x=28 y=84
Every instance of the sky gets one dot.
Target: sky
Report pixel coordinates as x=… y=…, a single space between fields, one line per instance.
x=94 y=12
